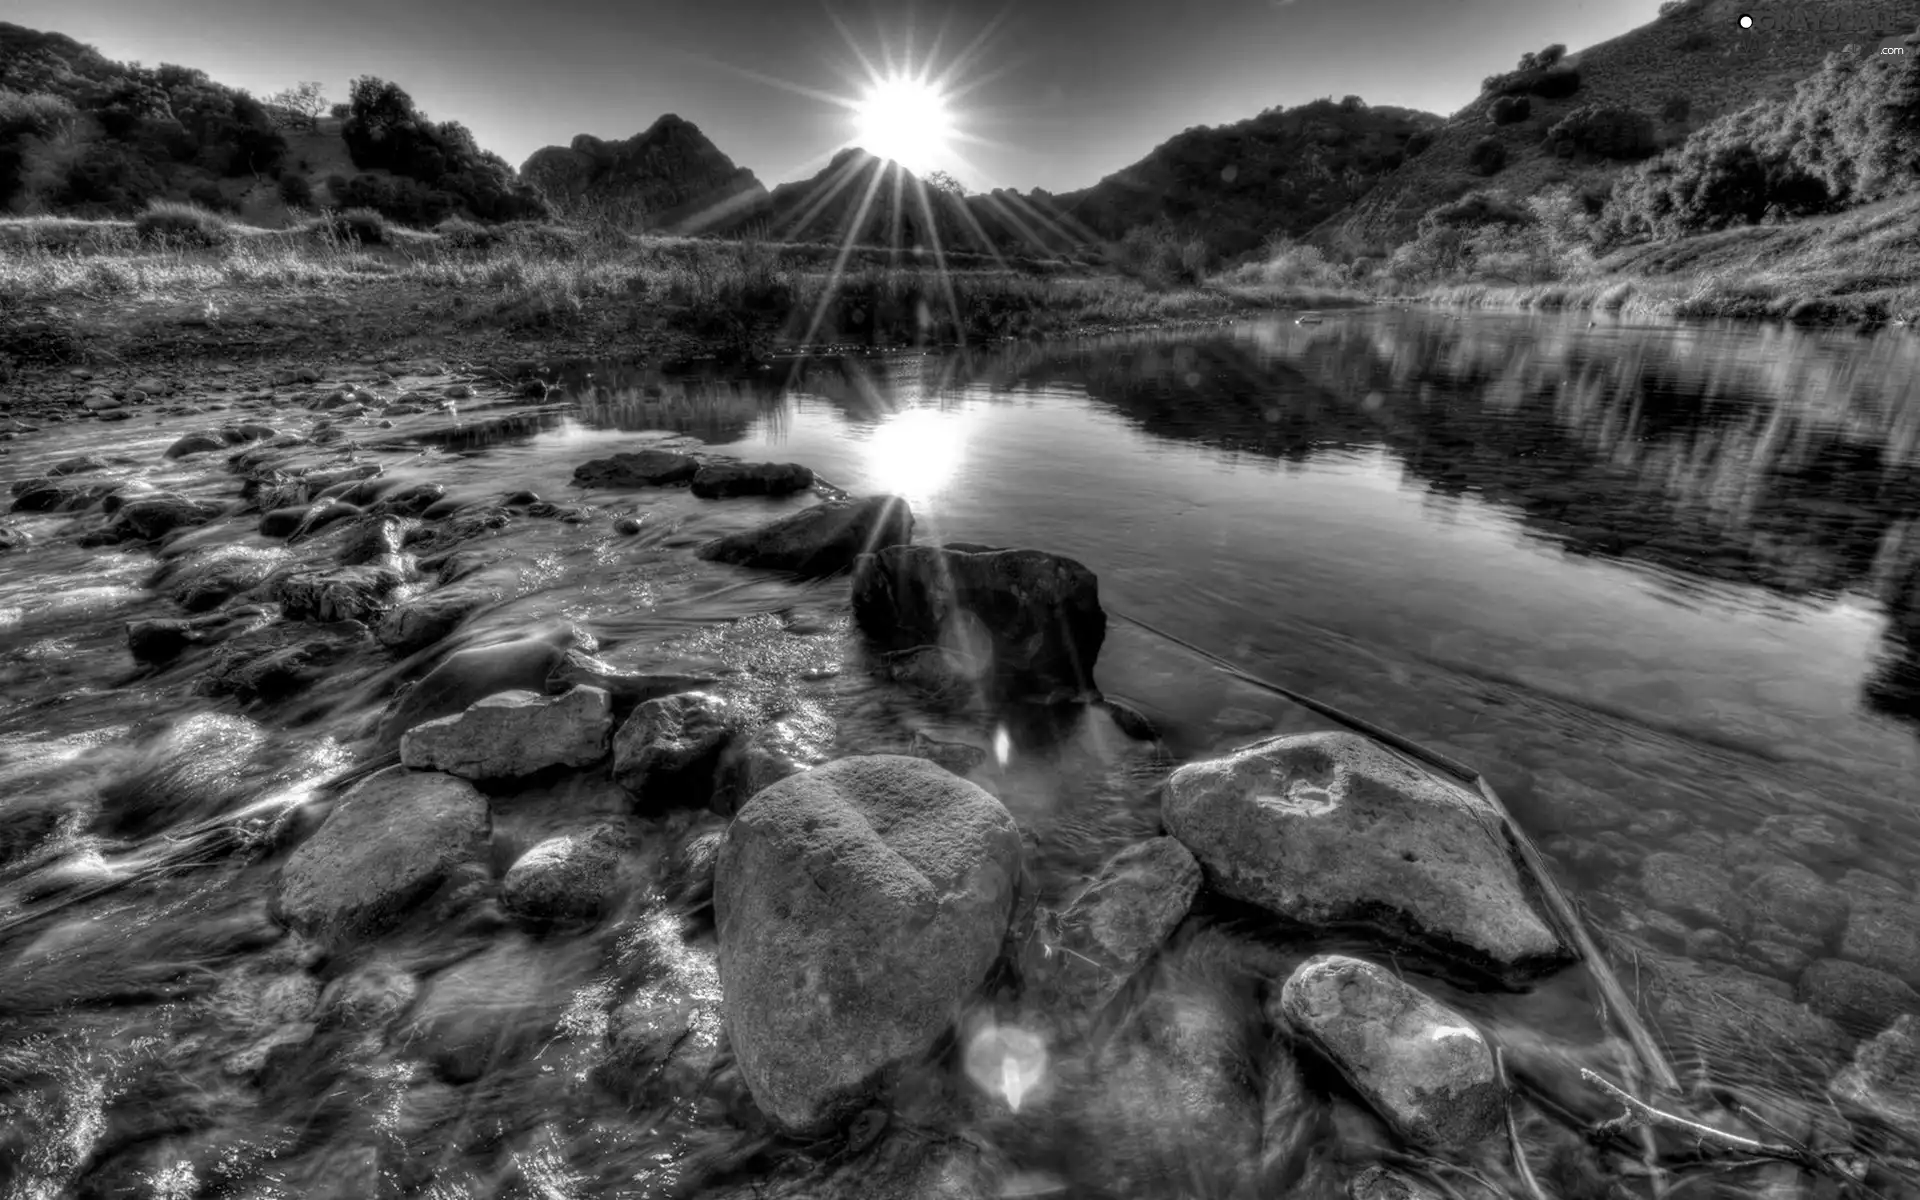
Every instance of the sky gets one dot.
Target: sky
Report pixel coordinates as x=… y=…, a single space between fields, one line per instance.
x=1056 y=93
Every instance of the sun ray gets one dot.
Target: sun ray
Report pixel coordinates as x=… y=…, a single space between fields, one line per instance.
x=839 y=266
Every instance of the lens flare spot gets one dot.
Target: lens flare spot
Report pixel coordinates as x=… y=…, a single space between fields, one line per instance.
x=904 y=119
x=916 y=453
x=1002 y=745
x=1007 y=1061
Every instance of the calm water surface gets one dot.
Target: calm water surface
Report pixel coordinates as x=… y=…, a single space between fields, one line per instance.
x=1661 y=585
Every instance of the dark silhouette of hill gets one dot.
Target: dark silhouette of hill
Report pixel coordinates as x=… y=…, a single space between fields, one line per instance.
x=669 y=177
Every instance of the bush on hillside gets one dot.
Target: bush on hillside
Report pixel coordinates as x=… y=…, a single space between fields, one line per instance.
x=1482 y=207
x=1680 y=10
x=1604 y=131
x=1159 y=254
x=1419 y=143
x=295 y=191
x=1677 y=108
x=383 y=130
x=1488 y=156
x=1556 y=84
x=172 y=223
x=353 y=226
x=1509 y=110
x=461 y=234
x=1542 y=59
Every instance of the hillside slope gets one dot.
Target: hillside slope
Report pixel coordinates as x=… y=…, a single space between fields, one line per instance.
x=1679 y=71
x=669 y=177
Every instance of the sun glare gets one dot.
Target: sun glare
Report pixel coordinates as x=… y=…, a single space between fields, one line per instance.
x=916 y=453
x=906 y=120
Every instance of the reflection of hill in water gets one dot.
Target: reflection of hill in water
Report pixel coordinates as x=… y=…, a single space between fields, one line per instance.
x=1783 y=458
x=715 y=406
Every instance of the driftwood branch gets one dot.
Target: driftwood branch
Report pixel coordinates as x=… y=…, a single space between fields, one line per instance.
x=1521 y=1168
x=1639 y=1113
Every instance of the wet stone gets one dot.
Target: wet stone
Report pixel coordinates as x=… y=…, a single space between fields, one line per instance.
x=1810 y=837
x=337 y=593
x=641 y=468
x=563 y=879
x=1861 y=1000
x=1791 y=899
x=1886 y=935
x=195 y=443
x=717 y=481
x=513 y=734
x=794 y=741
x=1687 y=887
x=417 y=624
x=153 y=517
x=1884 y=1077
x=823 y=539
x=668 y=751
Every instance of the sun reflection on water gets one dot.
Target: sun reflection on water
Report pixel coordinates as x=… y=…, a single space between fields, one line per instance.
x=916 y=453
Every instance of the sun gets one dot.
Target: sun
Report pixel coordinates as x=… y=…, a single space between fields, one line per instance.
x=905 y=119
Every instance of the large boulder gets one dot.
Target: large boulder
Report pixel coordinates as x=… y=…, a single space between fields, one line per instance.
x=821 y=540
x=641 y=468
x=1089 y=951
x=1330 y=829
x=719 y=481
x=1421 y=1065
x=859 y=905
x=1022 y=624
x=387 y=845
x=511 y=734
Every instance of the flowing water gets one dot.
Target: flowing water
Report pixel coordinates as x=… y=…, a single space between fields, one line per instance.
x=1661 y=585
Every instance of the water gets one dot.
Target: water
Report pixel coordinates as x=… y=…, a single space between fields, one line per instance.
x=1661 y=585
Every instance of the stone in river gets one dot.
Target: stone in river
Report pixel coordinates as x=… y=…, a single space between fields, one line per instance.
x=1861 y=1000
x=823 y=539
x=1330 y=829
x=512 y=734
x=641 y=468
x=668 y=752
x=717 y=481
x=1884 y=1077
x=565 y=878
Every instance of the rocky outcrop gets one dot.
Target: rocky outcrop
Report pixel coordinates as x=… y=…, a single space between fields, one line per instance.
x=858 y=905
x=720 y=481
x=821 y=540
x=640 y=468
x=668 y=178
x=513 y=734
x=1086 y=953
x=1422 y=1066
x=387 y=845
x=1330 y=829
x=1018 y=624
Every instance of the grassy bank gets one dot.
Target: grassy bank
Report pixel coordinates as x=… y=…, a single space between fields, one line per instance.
x=73 y=288
x=1861 y=266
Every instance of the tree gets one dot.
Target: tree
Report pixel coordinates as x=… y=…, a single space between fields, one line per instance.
x=942 y=181
x=298 y=107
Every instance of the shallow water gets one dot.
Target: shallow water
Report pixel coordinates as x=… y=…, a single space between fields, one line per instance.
x=1661 y=585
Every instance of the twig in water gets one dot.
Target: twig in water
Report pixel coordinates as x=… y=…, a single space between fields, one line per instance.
x=1639 y=1113
x=1519 y=1152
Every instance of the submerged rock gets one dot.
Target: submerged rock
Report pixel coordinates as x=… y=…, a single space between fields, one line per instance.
x=153 y=517
x=50 y=495
x=195 y=443
x=641 y=468
x=1861 y=1000
x=417 y=624
x=1692 y=888
x=628 y=688
x=199 y=767
x=1885 y=934
x=1884 y=1077
x=566 y=878
x=337 y=593
x=387 y=845
x=493 y=1008
x=668 y=751
x=1329 y=829
x=1421 y=1065
x=511 y=734
x=465 y=676
x=719 y=481
x=1116 y=923
x=821 y=540
x=277 y=661
x=858 y=904
x=1021 y=624
x=796 y=740
x=162 y=639
x=208 y=578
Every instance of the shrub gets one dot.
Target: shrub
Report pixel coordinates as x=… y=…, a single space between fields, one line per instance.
x=1480 y=208
x=1677 y=10
x=462 y=234
x=295 y=191
x=1543 y=59
x=1509 y=110
x=1556 y=84
x=354 y=226
x=340 y=112
x=1605 y=131
x=1488 y=156
x=1419 y=143
x=1696 y=40
x=168 y=221
x=207 y=194
x=1678 y=107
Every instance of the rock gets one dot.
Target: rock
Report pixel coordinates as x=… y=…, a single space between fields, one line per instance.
x=1791 y=898
x=152 y=385
x=1378 y=1183
x=628 y=688
x=412 y=501
x=195 y=443
x=858 y=904
x=512 y=734
x=796 y=740
x=719 y=481
x=387 y=845
x=337 y=593
x=1331 y=829
x=1861 y=1000
x=462 y=526
x=1885 y=934
x=368 y=997
x=490 y=1009
x=641 y=468
x=1112 y=927
x=627 y=526
x=821 y=540
x=156 y=516
x=372 y=541
x=199 y=767
x=1687 y=886
x=1884 y=1077
x=466 y=676
x=1019 y=623
x=563 y=879
x=50 y=495
x=1741 y=1016
x=278 y=661
x=668 y=751
x=1810 y=837
x=82 y=465
x=14 y=539
x=417 y=624
x=1421 y=1065
x=321 y=514
x=162 y=639
x=282 y=522
x=208 y=578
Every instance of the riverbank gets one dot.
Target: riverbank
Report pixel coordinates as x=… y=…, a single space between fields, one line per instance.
x=93 y=293
x=1860 y=267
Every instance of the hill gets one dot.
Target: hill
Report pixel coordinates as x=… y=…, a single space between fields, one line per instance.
x=1649 y=88
x=669 y=177
x=1280 y=173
